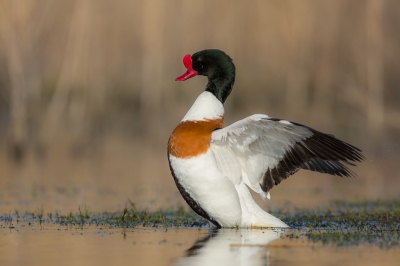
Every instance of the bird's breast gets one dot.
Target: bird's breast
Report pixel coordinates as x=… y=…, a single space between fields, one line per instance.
x=192 y=138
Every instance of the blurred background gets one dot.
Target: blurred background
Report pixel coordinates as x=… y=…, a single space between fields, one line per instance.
x=88 y=97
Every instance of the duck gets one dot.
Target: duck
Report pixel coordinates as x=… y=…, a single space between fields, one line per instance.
x=215 y=166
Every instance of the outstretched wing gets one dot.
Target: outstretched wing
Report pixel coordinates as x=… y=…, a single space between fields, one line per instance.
x=263 y=151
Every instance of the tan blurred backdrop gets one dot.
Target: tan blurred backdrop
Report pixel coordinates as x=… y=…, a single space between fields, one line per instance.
x=88 y=97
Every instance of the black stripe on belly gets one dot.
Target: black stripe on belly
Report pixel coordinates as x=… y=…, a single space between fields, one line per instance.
x=190 y=201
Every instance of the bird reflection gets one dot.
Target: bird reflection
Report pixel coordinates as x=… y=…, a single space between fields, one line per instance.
x=193 y=250
x=231 y=247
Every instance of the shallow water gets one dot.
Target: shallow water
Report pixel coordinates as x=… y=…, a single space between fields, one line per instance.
x=95 y=245
x=123 y=169
x=117 y=175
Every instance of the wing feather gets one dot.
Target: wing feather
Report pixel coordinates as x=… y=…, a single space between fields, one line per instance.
x=263 y=151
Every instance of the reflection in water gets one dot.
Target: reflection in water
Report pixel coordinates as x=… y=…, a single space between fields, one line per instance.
x=231 y=247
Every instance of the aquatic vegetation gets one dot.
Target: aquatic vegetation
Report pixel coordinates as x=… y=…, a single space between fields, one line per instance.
x=348 y=216
x=127 y=218
x=342 y=223
x=349 y=223
x=383 y=239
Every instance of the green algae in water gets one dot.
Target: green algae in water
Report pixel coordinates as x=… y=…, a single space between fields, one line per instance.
x=349 y=223
x=383 y=239
x=127 y=218
x=341 y=224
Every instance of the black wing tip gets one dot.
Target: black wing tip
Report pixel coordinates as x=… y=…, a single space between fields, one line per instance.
x=320 y=152
x=355 y=154
x=334 y=148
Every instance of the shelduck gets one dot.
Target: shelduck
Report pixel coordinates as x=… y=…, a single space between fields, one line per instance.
x=214 y=166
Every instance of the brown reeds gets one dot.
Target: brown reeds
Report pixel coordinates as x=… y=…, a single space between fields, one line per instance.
x=81 y=68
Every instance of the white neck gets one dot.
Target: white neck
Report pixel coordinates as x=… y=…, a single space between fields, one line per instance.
x=206 y=106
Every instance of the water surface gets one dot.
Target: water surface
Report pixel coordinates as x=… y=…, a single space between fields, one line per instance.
x=95 y=245
x=118 y=175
